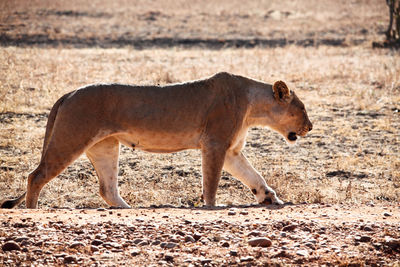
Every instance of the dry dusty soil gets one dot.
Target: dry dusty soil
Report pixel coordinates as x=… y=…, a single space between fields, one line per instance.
x=313 y=234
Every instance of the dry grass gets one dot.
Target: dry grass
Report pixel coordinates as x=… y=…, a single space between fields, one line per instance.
x=350 y=156
x=351 y=91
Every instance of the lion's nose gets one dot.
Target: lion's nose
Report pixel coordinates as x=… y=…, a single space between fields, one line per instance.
x=310 y=127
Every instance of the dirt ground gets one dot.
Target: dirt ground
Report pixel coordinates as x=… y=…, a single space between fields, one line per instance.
x=343 y=177
x=316 y=234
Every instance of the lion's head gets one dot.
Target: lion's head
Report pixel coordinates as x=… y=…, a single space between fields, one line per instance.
x=289 y=114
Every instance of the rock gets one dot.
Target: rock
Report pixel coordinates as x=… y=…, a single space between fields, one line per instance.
x=76 y=245
x=96 y=242
x=367 y=228
x=205 y=261
x=387 y=214
x=21 y=238
x=181 y=233
x=156 y=243
x=260 y=242
x=233 y=253
x=70 y=259
x=248 y=258
x=25 y=243
x=169 y=258
x=135 y=252
x=137 y=241
x=10 y=246
x=302 y=252
x=254 y=233
x=112 y=245
x=231 y=212
x=393 y=243
x=39 y=243
x=100 y=236
x=289 y=228
x=189 y=238
x=244 y=212
x=94 y=248
x=197 y=236
x=225 y=244
x=143 y=243
x=168 y=245
x=310 y=245
x=363 y=238
x=37 y=251
x=174 y=239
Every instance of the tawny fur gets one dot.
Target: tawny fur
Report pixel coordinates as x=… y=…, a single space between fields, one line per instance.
x=212 y=115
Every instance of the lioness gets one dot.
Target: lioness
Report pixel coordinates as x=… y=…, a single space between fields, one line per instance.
x=213 y=115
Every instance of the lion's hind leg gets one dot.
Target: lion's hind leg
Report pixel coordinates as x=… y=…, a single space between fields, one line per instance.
x=104 y=157
x=57 y=156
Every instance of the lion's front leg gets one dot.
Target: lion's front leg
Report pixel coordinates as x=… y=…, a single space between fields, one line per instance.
x=238 y=166
x=212 y=162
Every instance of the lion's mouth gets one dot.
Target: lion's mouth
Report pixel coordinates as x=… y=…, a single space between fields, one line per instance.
x=292 y=136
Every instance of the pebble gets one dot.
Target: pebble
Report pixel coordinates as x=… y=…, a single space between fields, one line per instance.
x=94 y=248
x=248 y=258
x=97 y=242
x=22 y=238
x=392 y=243
x=39 y=243
x=254 y=233
x=225 y=245
x=77 y=244
x=169 y=257
x=168 y=245
x=135 y=252
x=231 y=212
x=113 y=245
x=363 y=238
x=156 y=243
x=310 y=245
x=387 y=214
x=289 y=228
x=260 y=242
x=143 y=243
x=137 y=241
x=189 y=238
x=10 y=245
x=196 y=236
x=205 y=261
x=70 y=259
x=244 y=212
x=233 y=253
x=302 y=252
x=367 y=229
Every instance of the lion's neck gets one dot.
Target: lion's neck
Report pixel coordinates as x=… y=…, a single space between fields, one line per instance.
x=261 y=103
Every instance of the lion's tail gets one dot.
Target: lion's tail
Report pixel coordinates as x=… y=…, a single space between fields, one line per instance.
x=11 y=203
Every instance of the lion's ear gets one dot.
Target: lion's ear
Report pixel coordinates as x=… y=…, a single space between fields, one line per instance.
x=281 y=91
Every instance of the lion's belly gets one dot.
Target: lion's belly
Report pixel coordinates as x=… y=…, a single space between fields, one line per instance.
x=160 y=143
